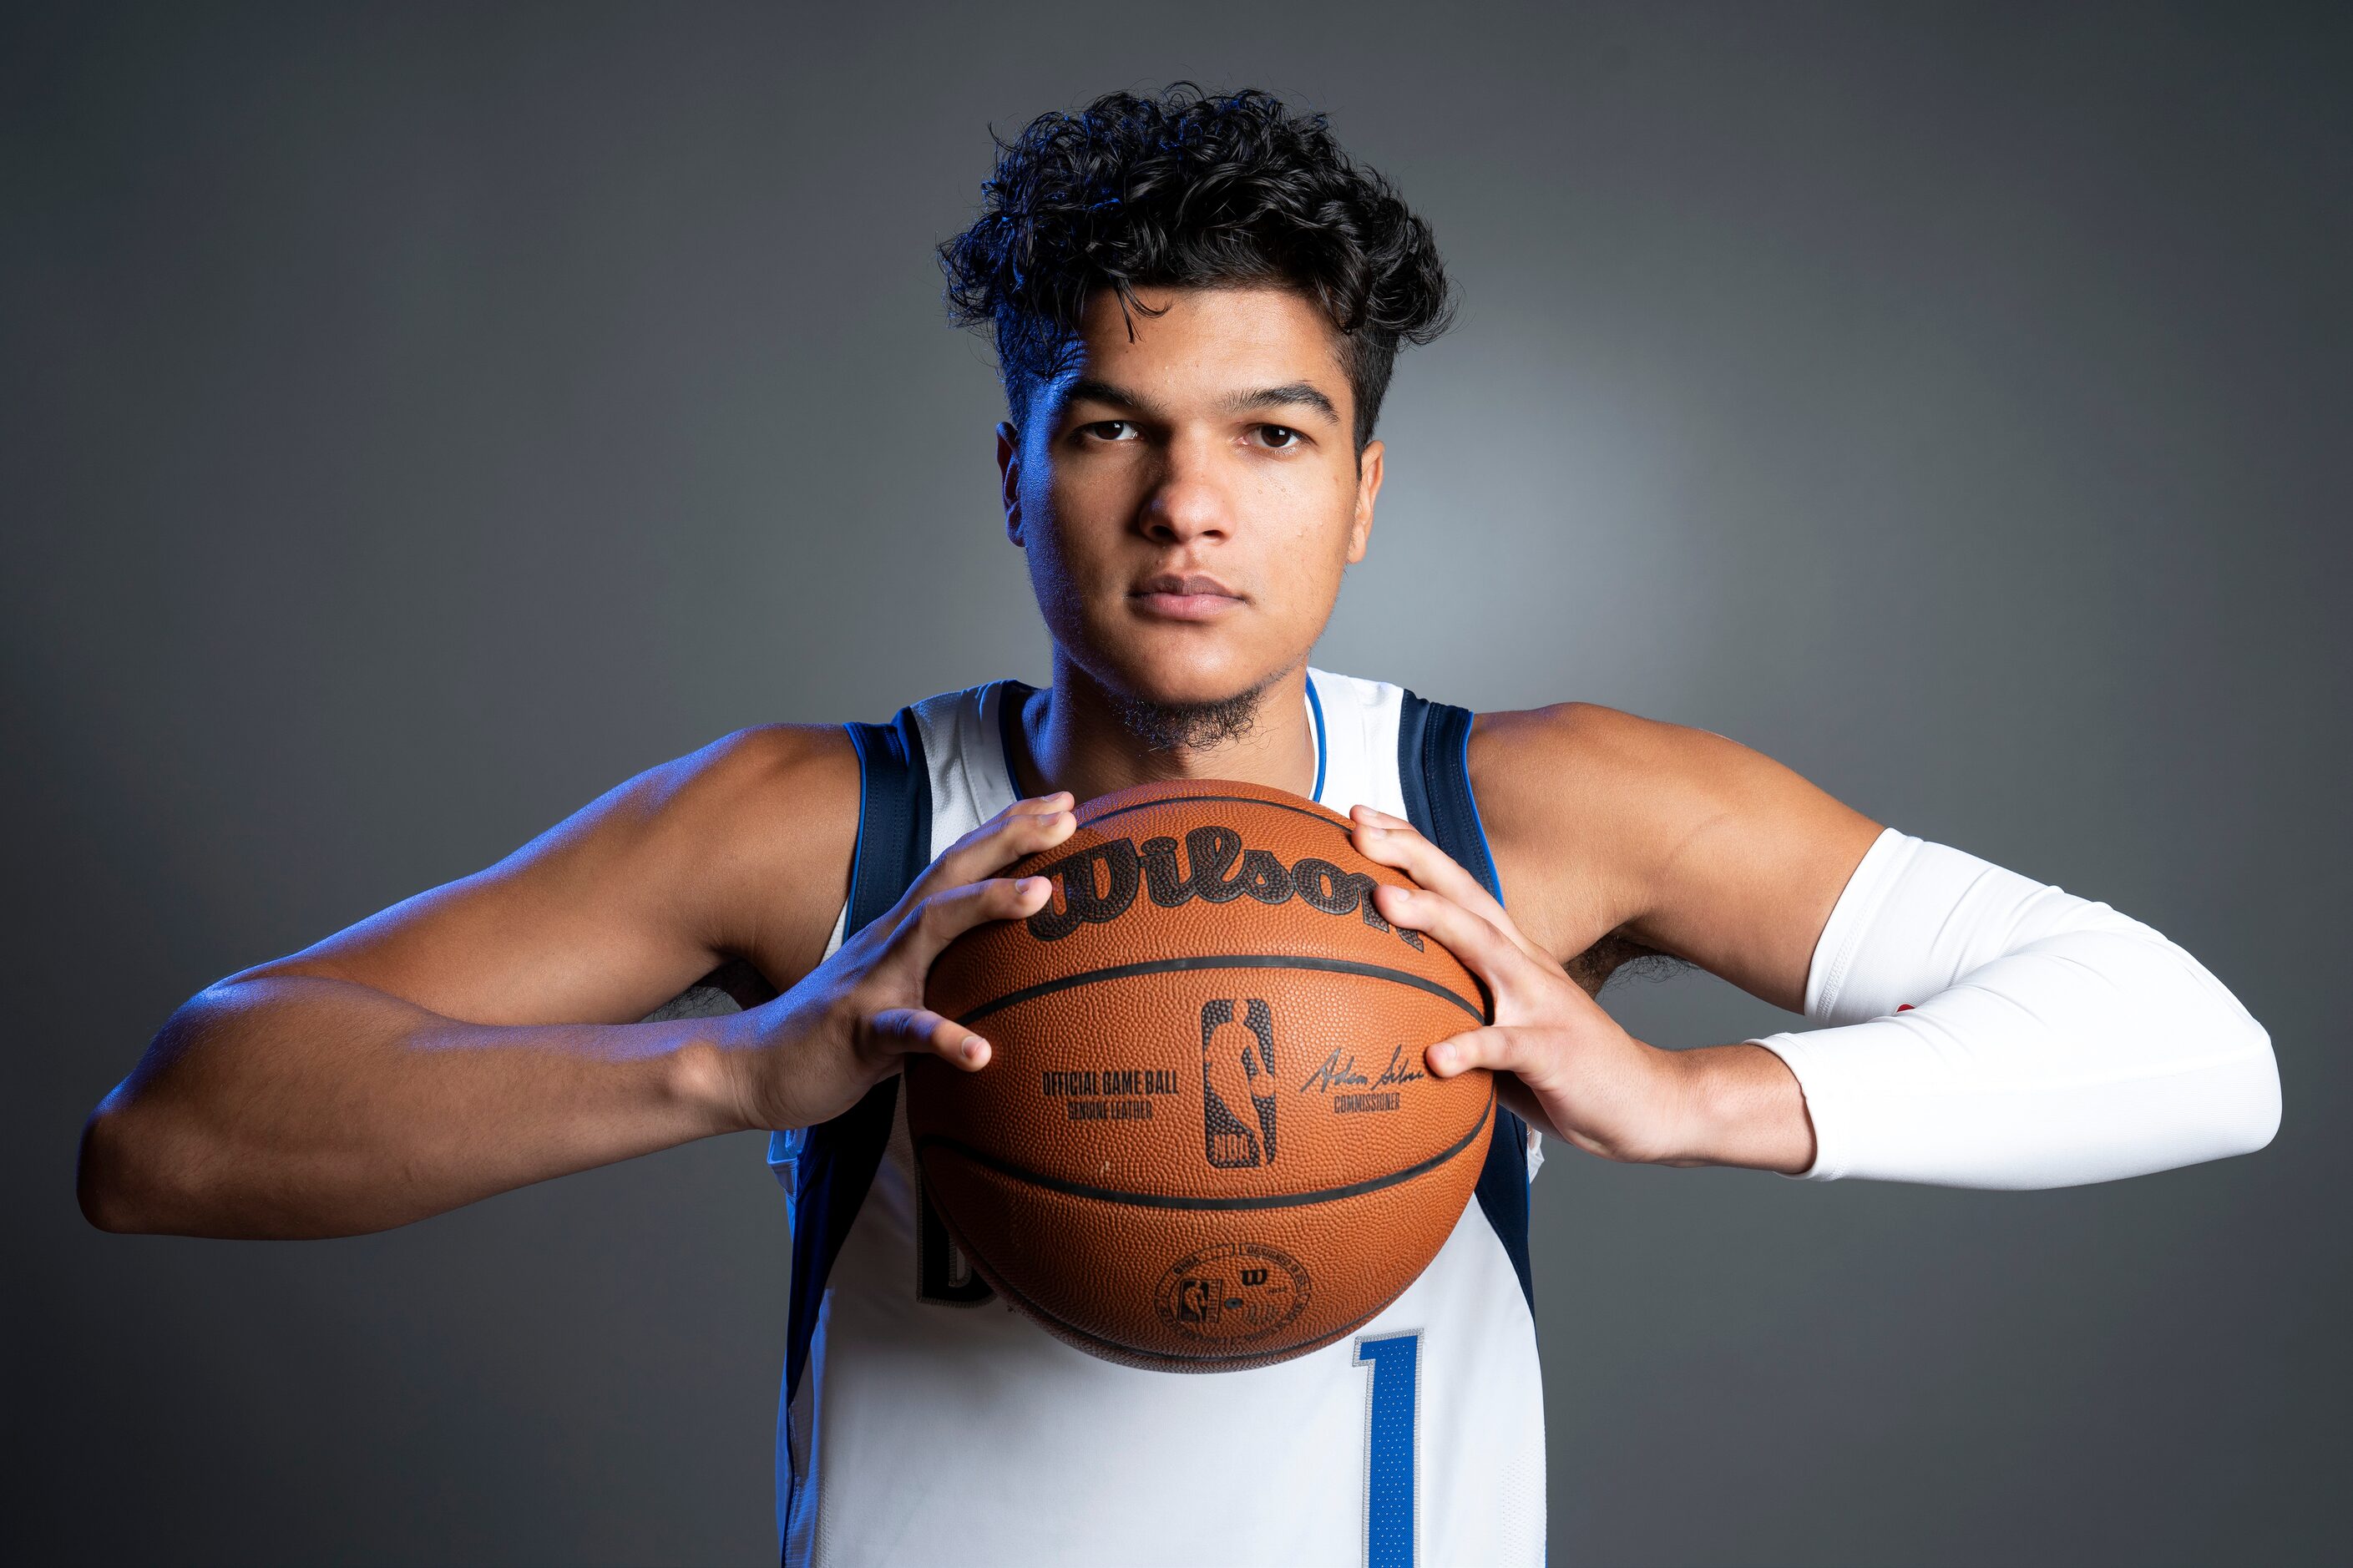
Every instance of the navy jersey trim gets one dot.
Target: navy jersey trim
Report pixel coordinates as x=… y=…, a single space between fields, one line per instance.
x=1012 y=697
x=1434 y=767
x=838 y=1159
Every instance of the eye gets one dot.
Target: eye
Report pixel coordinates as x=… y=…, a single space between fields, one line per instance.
x=1108 y=430
x=1279 y=438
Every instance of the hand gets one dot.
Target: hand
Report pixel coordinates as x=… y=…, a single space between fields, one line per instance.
x=1561 y=1062
x=813 y=1052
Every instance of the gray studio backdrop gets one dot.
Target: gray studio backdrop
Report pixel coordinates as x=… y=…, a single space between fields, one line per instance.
x=418 y=420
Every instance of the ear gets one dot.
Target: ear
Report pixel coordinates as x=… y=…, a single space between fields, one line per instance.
x=1008 y=474
x=1368 y=491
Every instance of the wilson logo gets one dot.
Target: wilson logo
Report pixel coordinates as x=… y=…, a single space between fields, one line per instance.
x=1100 y=884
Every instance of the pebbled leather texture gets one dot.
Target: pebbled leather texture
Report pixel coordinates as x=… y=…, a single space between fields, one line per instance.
x=1207 y=1140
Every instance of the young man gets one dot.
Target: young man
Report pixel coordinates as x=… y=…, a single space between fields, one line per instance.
x=1197 y=303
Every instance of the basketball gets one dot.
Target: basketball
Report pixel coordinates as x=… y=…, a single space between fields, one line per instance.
x=1207 y=1140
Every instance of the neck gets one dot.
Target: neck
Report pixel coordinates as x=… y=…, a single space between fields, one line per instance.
x=1078 y=738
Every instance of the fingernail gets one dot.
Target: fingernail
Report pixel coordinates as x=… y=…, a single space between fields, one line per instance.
x=975 y=1049
x=1031 y=885
x=1440 y=1057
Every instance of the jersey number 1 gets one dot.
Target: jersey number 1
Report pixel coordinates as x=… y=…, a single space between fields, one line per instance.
x=1390 y=1441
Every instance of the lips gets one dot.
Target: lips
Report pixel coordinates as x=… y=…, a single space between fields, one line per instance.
x=1185 y=597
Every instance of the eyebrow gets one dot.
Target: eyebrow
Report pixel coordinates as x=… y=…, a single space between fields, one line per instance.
x=1087 y=390
x=1291 y=395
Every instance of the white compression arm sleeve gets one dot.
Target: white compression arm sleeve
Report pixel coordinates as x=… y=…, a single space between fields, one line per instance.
x=2043 y=1040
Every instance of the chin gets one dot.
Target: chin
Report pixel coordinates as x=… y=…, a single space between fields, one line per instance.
x=1187 y=673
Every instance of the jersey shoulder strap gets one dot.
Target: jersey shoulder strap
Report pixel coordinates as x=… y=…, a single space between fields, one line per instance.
x=835 y=1160
x=1434 y=769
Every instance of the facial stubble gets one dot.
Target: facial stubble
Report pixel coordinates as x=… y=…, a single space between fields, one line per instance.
x=1190 y=726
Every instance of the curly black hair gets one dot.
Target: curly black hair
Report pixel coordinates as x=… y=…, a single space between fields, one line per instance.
x=1190 y=189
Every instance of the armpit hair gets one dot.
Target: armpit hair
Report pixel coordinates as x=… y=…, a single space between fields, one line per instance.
x=1619 y=954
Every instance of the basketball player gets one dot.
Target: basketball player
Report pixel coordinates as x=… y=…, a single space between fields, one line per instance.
x=1196 y=301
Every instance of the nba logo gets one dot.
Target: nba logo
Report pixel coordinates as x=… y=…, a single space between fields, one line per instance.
x=1196 y=1301
x=1237 y=1068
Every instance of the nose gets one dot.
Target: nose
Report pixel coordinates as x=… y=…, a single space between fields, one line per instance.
x=1188 y=503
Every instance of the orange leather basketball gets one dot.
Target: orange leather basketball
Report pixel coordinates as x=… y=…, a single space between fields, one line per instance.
x=1207 y=1139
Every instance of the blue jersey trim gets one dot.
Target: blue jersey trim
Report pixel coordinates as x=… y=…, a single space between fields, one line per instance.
x=1316 y=707
x=1434 y=770
x=834 y=1162
x=1487 y=874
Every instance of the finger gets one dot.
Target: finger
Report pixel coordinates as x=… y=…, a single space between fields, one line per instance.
x=919 y=1031
x=1485 y=950
x=1009 y=835
x=1383 y=838
x=1059 y=800
x=1391 y=841
x=946 y=916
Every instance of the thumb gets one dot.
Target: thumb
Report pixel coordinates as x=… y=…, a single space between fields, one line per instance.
x=1497 y=1049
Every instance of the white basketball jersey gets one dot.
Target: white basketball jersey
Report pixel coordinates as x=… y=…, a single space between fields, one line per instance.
x=932 y=1423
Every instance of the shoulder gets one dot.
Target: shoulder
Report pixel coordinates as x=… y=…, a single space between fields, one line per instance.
x=807 y=763
x=1606 y=822
x=743 y=846
x=739 y=850
x=1587 y=770
x=705 y=801
x=1577 y=731
x=1576 y=799
x=757 y=812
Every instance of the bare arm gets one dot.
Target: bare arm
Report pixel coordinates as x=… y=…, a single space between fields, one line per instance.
x=2043 y=1039
x=479 y=1037
x=292 y=1106
x=1616 y=836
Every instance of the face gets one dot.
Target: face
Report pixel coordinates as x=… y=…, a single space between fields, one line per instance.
x=1188 y=500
